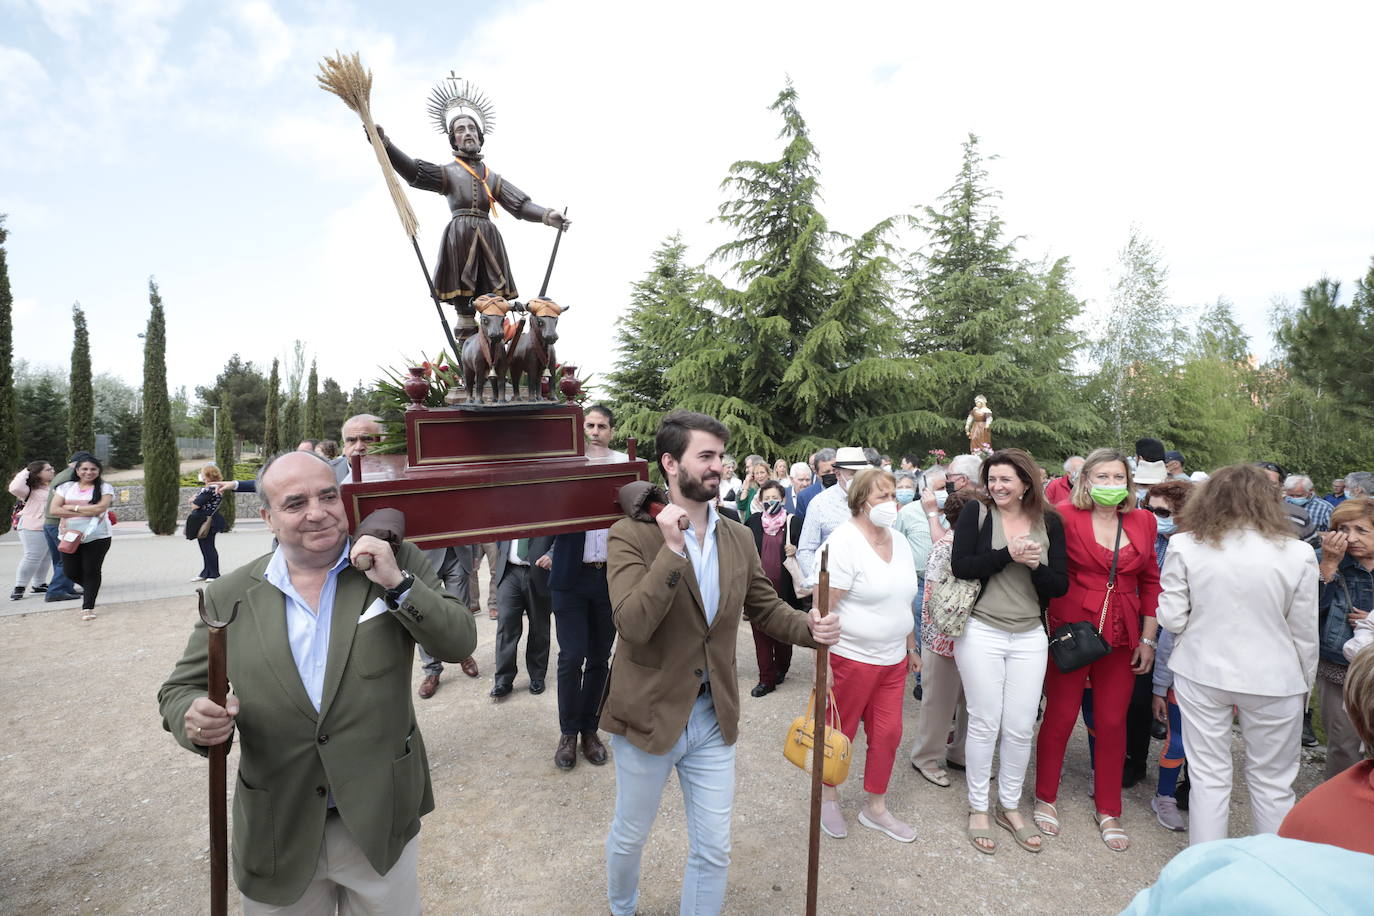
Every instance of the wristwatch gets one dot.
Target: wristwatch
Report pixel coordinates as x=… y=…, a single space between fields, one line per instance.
x=393 y=595
x=1149 y=642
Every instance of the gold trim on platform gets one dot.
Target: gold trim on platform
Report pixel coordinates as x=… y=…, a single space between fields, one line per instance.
x=453 y=487
x=604 y=521
x=421 y=460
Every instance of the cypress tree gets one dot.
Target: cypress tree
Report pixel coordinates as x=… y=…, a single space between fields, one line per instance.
x=9 y=424
x=126 y=441
x=42 y=408
x=333 y=408
x=271 y=432
x=290 y=434
x=226 y=456
x=313 y=428
x=81 y=412
x=161 y=463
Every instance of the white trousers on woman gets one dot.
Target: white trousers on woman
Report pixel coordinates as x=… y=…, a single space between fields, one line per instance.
x=1003 y=675
x=1272 y=729
x=33 y=568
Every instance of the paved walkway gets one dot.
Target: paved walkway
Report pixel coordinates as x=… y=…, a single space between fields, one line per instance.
x=141 y=566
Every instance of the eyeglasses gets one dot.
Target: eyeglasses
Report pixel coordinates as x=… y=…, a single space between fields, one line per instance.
x=349 y=440
x=1160 y=513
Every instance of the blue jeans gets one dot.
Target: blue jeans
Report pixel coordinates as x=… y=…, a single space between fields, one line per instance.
x=706 y=771
x=59 y=582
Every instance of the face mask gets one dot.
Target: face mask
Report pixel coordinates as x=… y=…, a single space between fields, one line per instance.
x=1299 y=500
x=883 y=514
x=905 y=496
x=772 y=506
x=1109 y=496
x=828 y=480
x=844 y=483
x=940 y=497
x=1165 y=526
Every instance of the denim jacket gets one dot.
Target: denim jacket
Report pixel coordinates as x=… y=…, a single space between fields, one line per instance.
x=1351 y=587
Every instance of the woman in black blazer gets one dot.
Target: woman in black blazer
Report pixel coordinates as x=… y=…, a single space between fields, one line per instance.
x=775 y=536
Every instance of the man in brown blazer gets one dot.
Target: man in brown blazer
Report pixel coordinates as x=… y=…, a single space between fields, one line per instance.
x=678 y=585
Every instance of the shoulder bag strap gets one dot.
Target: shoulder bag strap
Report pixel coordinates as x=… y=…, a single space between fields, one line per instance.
x=1111 y=577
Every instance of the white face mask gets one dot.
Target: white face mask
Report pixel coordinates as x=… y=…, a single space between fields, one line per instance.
x=883 y=514
x=940 y=497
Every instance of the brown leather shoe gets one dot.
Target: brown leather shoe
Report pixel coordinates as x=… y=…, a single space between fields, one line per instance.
x=428 y=686
x=592 y=748
x=565 y=758
x=469 y=666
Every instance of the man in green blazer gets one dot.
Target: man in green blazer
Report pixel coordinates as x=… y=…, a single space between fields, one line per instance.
x=332 y=776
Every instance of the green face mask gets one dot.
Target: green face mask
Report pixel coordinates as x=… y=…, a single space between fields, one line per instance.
x=1109 y=496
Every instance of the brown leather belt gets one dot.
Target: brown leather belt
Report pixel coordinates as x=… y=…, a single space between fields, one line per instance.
x=601 y=565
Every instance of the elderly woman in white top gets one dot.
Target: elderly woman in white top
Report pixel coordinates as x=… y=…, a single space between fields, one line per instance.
x=872 y=582
x=1240 y=593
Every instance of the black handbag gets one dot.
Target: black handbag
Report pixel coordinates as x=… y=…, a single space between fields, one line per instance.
x=1077 y=644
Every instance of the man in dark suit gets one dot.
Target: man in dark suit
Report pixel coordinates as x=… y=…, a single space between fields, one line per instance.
x=332 y=774
x=678 y=585
x=582 y=613
x=521 y=580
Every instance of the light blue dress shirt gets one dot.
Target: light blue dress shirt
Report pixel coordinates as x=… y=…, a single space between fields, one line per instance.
x=307 y=631
x=705 y=561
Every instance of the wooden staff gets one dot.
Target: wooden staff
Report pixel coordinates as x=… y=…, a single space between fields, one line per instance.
x=813 y=851
x=218 y=684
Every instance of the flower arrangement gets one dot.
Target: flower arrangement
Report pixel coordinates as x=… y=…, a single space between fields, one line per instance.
x=937 y=456
x=984 y=451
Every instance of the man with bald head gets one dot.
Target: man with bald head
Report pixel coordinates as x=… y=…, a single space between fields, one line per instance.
x=332 y=776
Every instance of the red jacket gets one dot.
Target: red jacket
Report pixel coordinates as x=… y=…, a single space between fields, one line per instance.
x=1137 y=579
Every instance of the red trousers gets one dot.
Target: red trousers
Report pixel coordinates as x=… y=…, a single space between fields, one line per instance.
x=774 y=656
x=1113 y=682
x=871 y=694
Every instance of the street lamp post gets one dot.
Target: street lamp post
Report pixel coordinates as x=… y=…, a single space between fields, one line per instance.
x=215 y=415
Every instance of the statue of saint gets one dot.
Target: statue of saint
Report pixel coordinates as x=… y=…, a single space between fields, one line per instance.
x=978 y=425
x=472 y=257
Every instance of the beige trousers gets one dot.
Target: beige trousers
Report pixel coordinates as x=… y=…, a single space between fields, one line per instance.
x=1342 y=742
x=346 y=883
x=942 y=699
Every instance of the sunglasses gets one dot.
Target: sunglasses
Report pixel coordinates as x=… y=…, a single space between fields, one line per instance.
x=1160 y=513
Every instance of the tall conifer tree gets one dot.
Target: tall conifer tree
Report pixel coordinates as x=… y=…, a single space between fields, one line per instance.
x=313 y=427
x=271 y=432
x=226 y=456
x=81 y=412
x=9 y=420
x=161 y=463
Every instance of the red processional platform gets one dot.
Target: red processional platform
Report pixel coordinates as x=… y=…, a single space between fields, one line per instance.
x=474 y=474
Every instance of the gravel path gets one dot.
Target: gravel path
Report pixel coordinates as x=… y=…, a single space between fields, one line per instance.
x=103 y=813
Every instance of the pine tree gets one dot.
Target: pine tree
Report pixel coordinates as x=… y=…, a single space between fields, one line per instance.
x=333 y=408
x=161 y=463
x=226 y=456
x=247 y=388
x=985 y=321
x=1330 y=347
x=271 y=431
x=313 y=428
x=9 y=420
x=42 y=409
x=126 y=440
x=665 y=322
x=81 y=412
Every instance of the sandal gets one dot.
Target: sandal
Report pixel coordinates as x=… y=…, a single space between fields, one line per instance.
x=1112 y=834
x=981 y=833
x=938 y=776
x=1047 y=821
x=1022 y=835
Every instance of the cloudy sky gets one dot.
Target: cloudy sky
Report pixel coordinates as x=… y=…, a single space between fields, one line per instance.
x=188 y=141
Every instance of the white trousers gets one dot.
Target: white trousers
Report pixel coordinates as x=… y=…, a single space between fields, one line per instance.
x=1003 y=674
x=34 y=566
x=346 y=883
x=1272 y=730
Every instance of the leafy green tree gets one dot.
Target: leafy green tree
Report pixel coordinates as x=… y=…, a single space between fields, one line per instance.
x=42 y=410
x=81 y=407
x=113 y=396
x=126 y=440
x=665 y=322
x=9 y=421
x=161 y=463
x=271 y=435
x=226 y=455
x=185 y=422
x=985 y=321
x=365 y=398
x=1215 y=417
x=1330 y=347
x=333 y=408
x=313 y=428
x=248 y=395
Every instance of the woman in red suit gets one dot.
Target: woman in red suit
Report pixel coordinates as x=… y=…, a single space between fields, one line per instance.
x=1101 y=503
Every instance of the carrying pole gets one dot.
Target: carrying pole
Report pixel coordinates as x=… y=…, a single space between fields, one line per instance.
x=218 y=689
x=813 y=851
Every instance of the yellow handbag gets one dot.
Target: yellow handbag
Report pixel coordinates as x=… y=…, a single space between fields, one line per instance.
x=801 y=739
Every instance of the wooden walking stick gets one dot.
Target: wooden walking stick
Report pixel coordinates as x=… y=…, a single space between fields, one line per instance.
x=218 y=683
x=813 y=851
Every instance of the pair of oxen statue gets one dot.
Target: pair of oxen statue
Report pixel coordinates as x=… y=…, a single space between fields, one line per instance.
x=502 y=348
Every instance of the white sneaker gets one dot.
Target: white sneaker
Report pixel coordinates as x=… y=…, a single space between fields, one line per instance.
x=197 y=578
x=1166 y=812
x=832 y=820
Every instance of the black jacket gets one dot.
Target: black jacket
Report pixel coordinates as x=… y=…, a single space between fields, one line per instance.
x=794 y=526
x=972 y=556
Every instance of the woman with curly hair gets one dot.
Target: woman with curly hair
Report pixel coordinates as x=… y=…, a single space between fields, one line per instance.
x=1240 y=594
